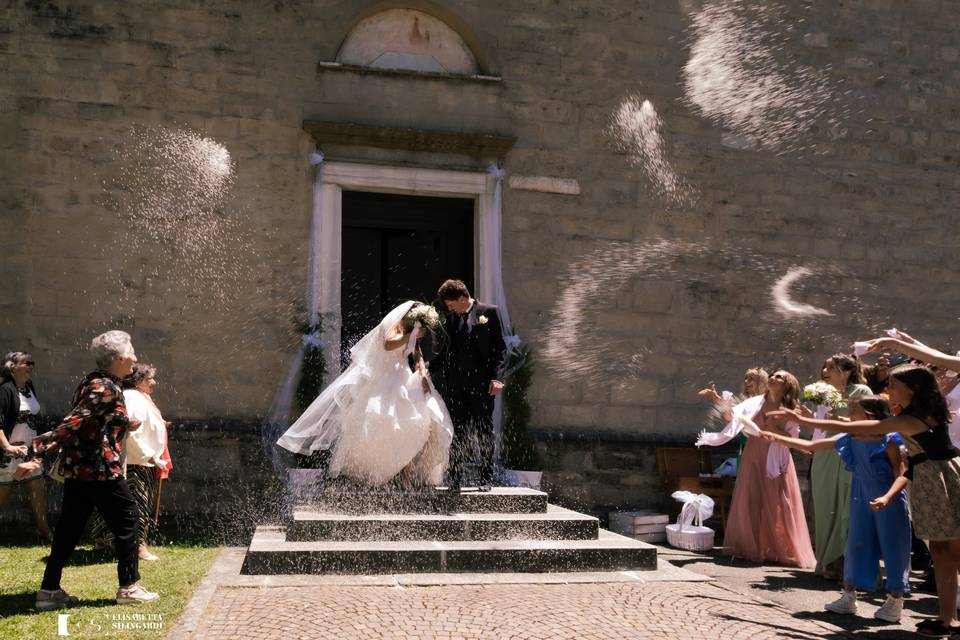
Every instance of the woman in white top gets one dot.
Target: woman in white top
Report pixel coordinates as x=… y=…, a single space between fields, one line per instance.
x=143 y=451
x=18 y=409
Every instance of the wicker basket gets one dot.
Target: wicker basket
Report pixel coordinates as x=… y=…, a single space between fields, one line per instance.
x=690 y=537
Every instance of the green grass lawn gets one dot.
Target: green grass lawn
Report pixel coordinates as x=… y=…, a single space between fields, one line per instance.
x=92 y=576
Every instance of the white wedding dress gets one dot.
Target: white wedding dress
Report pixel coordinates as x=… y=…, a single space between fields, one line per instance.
x=375 y=417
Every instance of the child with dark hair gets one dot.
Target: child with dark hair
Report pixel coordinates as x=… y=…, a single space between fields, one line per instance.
x=933 y=471
x=875 y=533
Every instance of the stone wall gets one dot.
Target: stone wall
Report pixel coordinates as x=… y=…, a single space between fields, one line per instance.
x=873 y=209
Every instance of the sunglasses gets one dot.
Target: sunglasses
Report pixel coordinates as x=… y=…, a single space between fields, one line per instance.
x=29 y=363
x=776 y=376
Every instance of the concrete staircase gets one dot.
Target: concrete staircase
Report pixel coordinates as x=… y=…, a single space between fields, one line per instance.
x=352 y=530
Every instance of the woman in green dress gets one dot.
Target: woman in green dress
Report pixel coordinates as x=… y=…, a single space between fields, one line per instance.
x=829 y=479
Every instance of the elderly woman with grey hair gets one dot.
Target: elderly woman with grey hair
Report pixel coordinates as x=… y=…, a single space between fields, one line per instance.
x=144 y=456
x=89 y=444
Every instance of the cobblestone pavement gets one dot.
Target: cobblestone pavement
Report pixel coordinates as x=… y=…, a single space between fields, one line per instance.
x=689 y=610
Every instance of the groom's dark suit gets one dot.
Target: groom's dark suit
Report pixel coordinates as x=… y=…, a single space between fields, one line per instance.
x=474 y=355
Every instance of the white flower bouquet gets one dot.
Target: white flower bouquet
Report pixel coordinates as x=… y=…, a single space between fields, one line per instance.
x=824 y=395
x=425 y=314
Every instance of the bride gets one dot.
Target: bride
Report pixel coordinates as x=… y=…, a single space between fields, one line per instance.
x=379 y=419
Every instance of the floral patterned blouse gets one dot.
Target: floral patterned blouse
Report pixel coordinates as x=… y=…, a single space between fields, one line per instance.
x=91 y=437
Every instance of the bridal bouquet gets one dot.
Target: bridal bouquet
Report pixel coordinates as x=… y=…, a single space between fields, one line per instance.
x=823 y=394
x=425 y=314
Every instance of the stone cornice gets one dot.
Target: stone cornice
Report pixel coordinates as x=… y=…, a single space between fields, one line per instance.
x=339 y=67
x=477 y=145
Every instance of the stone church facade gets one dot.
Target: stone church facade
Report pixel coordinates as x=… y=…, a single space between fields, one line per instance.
x=417 y=99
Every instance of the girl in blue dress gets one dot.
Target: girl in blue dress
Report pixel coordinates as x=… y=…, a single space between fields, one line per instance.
x=875 y=531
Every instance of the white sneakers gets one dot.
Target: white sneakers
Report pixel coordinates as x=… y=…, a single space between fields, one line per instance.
x=891 y=610
x=135 y=594
x=845 y=605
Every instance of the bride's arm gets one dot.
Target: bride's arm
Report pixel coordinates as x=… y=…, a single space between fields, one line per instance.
x=422 y=368
x=396 y=339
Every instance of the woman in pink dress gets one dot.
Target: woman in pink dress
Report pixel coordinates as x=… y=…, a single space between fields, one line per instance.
x=766 y=522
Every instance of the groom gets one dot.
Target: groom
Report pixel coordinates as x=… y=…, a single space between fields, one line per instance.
x=469 y=369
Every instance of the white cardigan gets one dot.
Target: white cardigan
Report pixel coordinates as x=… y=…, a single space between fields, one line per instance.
x=149 y=441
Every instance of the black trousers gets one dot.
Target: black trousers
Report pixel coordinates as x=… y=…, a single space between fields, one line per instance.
x=112 y=498
x=471 y=409
x=142 y=482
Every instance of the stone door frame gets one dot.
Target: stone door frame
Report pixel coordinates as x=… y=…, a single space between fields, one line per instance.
x=350 y=176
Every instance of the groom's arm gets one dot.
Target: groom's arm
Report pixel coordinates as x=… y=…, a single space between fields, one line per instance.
x=498 y=347
x=433 y=353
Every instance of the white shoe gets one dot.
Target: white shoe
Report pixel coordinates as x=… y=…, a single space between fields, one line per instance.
x=135 y=594
x=845 y=605
x=891 y=610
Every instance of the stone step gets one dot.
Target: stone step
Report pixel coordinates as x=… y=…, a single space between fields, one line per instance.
x=557 y=523
x=358 y=500
x=270 y=553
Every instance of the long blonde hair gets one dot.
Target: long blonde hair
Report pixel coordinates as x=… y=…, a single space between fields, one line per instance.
x=757 y=378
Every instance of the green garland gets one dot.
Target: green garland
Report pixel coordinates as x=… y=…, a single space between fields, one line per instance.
x=519 y=450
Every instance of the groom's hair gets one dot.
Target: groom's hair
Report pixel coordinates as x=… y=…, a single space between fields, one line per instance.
x=453 y=290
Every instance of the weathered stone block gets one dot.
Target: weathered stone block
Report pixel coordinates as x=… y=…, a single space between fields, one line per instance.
x=636 y=391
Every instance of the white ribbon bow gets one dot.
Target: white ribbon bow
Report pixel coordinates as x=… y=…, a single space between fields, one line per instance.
x=696 y=508
x=412 y=340
x=312 y=339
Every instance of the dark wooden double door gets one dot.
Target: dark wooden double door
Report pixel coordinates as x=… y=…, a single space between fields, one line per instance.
x=396 y=248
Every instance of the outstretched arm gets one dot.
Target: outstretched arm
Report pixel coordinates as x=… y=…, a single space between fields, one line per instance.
x=807 y=446
x=99 y=400
x=900 y=424
x=710 y=393
x=918 y=351
x=723 y=406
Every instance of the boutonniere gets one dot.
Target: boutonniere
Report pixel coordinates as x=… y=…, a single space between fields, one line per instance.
x=483 y=320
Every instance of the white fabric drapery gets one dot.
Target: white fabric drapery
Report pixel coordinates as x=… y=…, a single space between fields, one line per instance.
x=493 y=258
x=316 y=230
x=278 y=416
x=778 y=455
